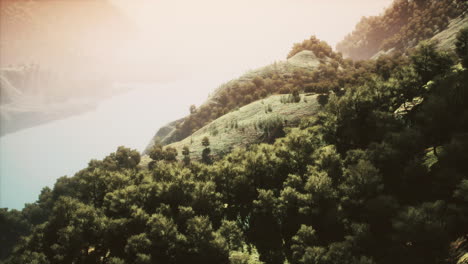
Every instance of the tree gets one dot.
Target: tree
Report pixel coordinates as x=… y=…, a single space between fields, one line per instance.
x=303 y=241
x=167 y=241
x=12 y=227
x=156 y=152
x=127 y=158
x=461 y=45
x=362 y=181
x=204 y=245
x=206 y=157
x=122 y=158
x=322 y=99
x=265 y=229
x=193 y=109
x=72 y=229
x=138 y=248
x=233 y=235
x=186 y=154
x=170 y=154
x=296 y=97
x=205 y=142
x=258 y=81
x=320 y=48
x=421 y=227
x=429 y=62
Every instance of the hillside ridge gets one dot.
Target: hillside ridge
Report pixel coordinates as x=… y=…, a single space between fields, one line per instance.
x=247 y=125
x=305 y=59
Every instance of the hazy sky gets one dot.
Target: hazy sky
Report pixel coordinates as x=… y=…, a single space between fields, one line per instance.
x=195 y=44
x=206 y=37
x=178 y=39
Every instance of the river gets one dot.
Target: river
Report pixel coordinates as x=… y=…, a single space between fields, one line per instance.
x=33 y=158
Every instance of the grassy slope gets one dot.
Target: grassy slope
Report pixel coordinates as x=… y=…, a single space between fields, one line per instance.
x=446 y=38
x=303 y=60
x=224 y=136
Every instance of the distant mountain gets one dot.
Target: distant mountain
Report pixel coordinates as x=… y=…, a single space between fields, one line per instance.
x=55 y=58
x=402 y=26
x=32 y=96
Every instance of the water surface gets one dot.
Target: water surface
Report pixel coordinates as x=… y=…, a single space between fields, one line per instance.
x=33 y=158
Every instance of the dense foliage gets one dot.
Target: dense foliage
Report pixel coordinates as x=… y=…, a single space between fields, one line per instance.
x=373 y=178
x=320 y=48
x=401 y=26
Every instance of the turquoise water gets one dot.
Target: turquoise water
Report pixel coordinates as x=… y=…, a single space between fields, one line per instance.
x=33 y=158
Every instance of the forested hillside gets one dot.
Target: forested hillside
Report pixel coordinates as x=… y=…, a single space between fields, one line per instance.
x=377 y=176
x=401 y=27
x=310 y=70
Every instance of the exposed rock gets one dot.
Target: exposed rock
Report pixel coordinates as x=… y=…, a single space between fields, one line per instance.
x=459 y=251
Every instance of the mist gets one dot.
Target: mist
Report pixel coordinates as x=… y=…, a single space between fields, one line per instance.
x=80 y=78
x=208 y=37
x=146 y=40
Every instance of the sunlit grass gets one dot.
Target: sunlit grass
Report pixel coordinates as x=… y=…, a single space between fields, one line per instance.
x=238 y=128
